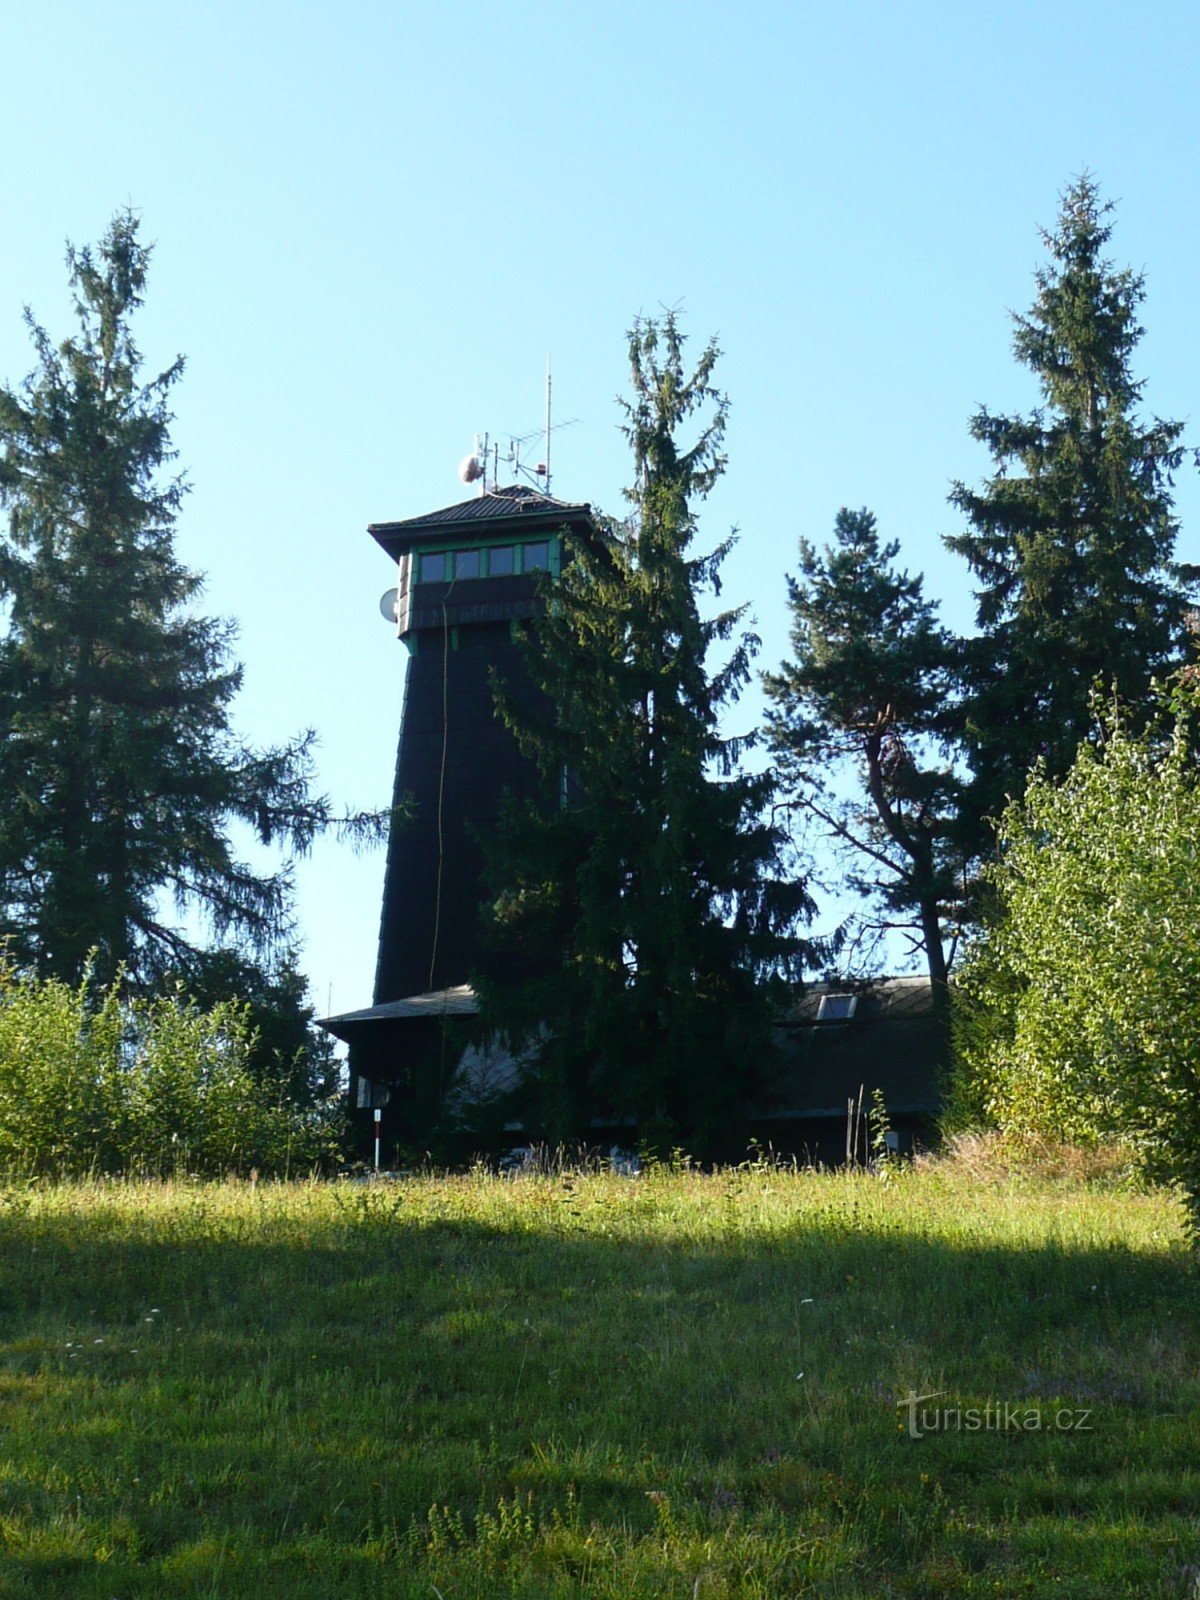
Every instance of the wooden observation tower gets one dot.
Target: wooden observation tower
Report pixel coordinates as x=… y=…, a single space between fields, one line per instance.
x=467 y=579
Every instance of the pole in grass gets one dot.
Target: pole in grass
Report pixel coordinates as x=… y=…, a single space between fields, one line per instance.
x=378 y=1120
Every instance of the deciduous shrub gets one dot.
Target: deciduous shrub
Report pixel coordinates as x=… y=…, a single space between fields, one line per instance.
x=90 y=1082
x=1078 y=1013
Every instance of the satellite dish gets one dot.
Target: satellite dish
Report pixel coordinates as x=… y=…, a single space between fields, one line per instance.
x=469 y=469
x=387 y=605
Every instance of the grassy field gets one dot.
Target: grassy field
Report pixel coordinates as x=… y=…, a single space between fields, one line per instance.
x=672 y=1385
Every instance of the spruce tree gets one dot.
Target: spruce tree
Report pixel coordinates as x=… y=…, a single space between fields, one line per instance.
x=869 y=695
x=1071 y=540
x=639 y=902
x=118 y=766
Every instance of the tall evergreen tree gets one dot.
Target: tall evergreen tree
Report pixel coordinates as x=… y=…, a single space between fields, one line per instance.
x=1072 y=538
x=642 y=905
x=870 y=694
x=118 y=767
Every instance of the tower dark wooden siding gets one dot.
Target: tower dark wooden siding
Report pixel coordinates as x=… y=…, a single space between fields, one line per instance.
x=454 y=763
x=467 y=579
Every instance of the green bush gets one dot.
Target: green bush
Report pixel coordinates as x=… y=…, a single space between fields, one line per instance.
x=1078 y=1012
x=93 y=1083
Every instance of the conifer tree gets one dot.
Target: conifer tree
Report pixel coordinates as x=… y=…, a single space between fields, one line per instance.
x=1071 y=540
x=869 y=693
x=639 y=903
x=118 y=766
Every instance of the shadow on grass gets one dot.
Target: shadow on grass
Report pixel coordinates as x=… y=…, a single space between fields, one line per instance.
x=281 y=1396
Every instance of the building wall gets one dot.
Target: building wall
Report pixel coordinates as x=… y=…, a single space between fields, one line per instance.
x=456 y=760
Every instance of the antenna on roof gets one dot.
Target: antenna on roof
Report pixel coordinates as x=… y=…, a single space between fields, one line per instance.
x=485 y=461
x=549 y=429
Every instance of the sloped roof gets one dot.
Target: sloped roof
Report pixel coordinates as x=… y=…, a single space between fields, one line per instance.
x=879 y=999
x=517 y=503
x=457 y=1002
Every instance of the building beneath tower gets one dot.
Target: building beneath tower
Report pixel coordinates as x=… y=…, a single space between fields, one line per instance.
x=467 y=580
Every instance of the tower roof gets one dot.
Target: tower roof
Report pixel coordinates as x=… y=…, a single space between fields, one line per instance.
x=495 y=512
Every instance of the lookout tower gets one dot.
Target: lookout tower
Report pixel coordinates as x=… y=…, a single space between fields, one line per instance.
x=466 y=581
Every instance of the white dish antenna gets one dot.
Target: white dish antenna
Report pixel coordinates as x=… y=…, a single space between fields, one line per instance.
x=387 y=605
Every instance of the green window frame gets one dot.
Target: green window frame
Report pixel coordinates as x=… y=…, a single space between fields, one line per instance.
x=488 y=561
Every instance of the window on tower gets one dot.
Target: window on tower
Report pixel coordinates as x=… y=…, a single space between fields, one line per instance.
x=495 y=561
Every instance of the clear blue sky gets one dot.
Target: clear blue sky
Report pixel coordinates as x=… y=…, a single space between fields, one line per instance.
x=373 y=224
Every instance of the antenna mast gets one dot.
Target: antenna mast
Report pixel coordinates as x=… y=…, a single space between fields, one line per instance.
x=546 y=462
x=482 y=466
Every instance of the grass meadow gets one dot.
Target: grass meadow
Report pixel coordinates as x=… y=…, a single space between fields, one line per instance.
x=671 y=1385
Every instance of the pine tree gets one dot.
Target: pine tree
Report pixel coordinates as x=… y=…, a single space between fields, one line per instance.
x=119 y=770
x=1072 y=538
x=639 y=904
x=871 y=688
